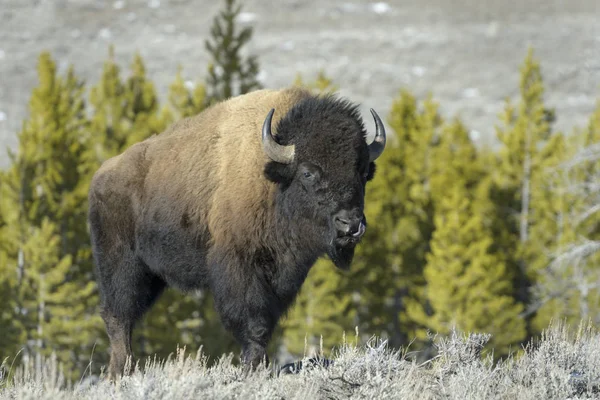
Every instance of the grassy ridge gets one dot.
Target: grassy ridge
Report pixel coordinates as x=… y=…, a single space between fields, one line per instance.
x=561 y=364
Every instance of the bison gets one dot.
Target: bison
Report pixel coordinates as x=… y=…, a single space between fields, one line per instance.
x=241 y=200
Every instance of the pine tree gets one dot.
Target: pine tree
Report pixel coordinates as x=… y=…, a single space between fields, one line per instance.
x=525 y=152
x=11 y=332
x=588 y=161
x=143 y=109
x=455 y=161
x=187 y=101
x=567 y=287
x=467 y=284
x=229 y=74
x=551 y=228
x=124 y=111
x=44 y=239
x=59 y=311
x=109 y=124
x=321 y=84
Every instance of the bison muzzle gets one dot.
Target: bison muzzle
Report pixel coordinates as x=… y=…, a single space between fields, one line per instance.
x=241 y=200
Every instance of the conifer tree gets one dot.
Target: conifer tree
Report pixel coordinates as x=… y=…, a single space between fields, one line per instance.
x=57 y=319
x=187 y=101
x=588 y=161
x=109 y=124
x=568 y=283
x=124 y=111
x=467 y=283
x=229 y=73
x=526 y=151
x=321 y=84
x=143 y=108
x=44 y=239
x=11 y=333
x=551 y=228
x=455 y=161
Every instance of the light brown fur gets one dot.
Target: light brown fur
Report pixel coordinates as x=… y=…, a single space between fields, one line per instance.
x=207 y=166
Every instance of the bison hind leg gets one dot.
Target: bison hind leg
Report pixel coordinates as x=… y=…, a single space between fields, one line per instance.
x=119 y=334
x=126 y=300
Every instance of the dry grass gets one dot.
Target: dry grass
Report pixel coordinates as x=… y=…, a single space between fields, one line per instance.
x=561 y=365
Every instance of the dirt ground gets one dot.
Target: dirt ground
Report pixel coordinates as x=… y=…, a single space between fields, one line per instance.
x=465 y=52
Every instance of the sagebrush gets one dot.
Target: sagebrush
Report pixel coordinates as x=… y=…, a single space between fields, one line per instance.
x=562 y=363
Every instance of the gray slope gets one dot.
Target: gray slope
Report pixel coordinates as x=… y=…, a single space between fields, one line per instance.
x=466 y=53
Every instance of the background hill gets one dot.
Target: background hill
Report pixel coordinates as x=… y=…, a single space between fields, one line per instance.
x=465 y=52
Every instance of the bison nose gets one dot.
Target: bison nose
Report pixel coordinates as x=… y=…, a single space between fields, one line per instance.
x=348 y=225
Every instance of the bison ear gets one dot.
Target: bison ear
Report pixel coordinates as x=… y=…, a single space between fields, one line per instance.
x=278 y=173
x=372 y=169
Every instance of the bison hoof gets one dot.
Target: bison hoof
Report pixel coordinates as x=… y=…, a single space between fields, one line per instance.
x=296 y=367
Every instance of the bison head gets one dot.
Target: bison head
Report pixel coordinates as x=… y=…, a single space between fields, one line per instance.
x=322 y=162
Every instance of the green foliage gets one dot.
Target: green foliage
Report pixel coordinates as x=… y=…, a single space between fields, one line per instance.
x=455 y=161
x=321 y=84
x=229 y=74
x=109 y=124
x=44 y=234
x=143 y=110
x=125 y=112
x=587 y=161
x=187 y=101
x=468 y=286
x=12 y=334
x=567 y=287
x=528 y=148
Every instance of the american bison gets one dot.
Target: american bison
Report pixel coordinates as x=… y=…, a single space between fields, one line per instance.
x=241 y=200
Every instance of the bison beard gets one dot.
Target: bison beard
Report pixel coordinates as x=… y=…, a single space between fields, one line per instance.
x=215 y=202
x=341 y=256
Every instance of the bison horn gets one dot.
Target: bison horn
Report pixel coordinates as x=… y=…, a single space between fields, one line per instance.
x=275 y=151
x=378 y=144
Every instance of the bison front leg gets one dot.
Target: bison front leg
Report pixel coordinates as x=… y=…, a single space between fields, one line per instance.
x=248 y=310
x=252 y=327
x=255 y=340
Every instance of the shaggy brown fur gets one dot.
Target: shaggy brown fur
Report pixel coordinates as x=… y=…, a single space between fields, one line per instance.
x=192 y=208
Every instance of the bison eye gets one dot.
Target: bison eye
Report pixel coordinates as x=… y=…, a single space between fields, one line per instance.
x=310 y=174
x=309 y=177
